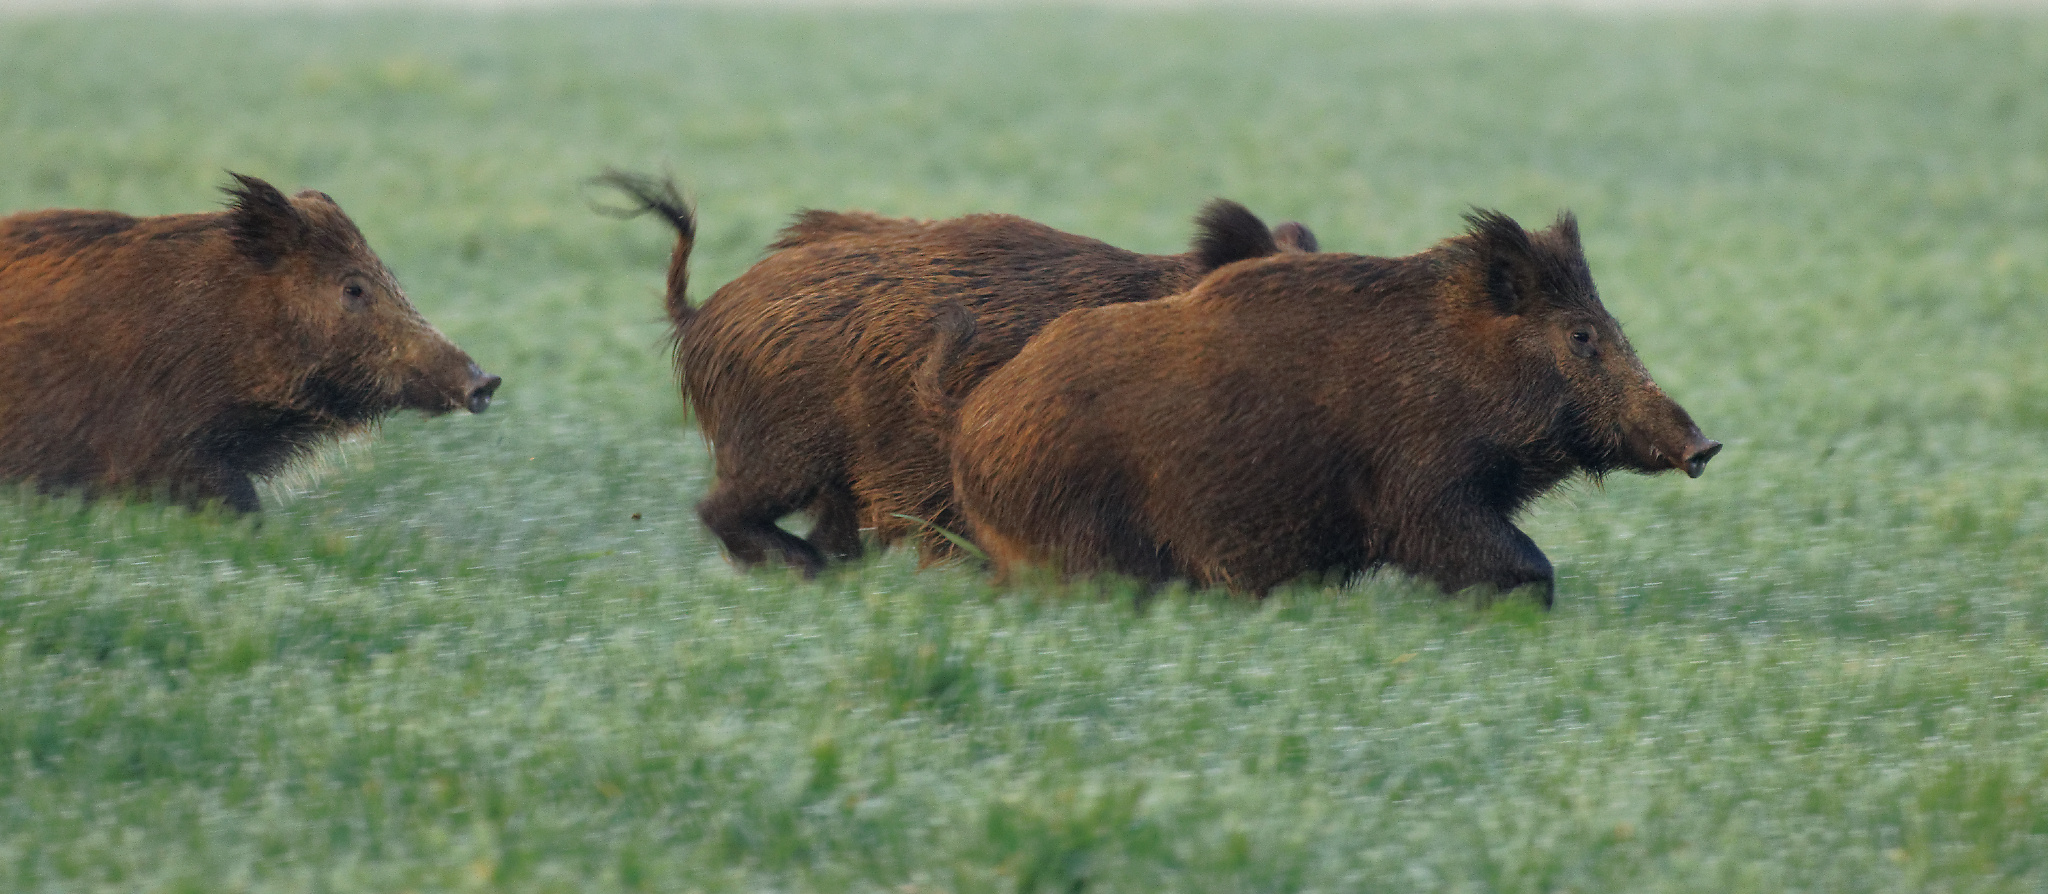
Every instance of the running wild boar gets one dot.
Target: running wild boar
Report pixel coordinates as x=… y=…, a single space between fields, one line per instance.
x=185 y=355
x=799 y=370
x=1314 y=415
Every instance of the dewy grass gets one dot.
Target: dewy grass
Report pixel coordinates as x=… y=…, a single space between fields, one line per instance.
x=953 y=537
x=499 y=653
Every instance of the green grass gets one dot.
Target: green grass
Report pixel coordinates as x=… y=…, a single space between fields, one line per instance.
x=498 y=653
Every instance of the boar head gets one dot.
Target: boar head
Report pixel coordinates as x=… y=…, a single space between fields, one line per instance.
x=1605 y=412
x=344 y=342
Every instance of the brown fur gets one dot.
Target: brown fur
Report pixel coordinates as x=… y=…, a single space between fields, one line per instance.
x=184 y=354
x=800 y=369
x=1316 y=415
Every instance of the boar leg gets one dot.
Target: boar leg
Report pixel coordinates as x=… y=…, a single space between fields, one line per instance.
x=238 y=491
x=748 y=530
x=235 y=490
x=837 y=532
x=1479 y=550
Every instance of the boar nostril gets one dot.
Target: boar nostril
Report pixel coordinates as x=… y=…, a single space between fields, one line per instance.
x=480 y=391
x=1697 y=461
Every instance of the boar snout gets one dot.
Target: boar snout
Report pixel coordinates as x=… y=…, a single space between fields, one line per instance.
x=482 y=385
x=1695 y=459
x=452 y=381
x=1659 y=435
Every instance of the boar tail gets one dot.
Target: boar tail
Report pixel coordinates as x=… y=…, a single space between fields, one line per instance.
x=658 y=195
x=953 y=330
x=1226 y=231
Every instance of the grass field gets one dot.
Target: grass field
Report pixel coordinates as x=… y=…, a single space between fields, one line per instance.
x=497 y=653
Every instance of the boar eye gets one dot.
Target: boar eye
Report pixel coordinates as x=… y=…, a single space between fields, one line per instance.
x=355 y=295
x=1582 y=342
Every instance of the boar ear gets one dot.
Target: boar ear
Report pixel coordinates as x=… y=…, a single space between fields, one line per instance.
x=1226 y=231
x=1567 y=227
x=1293 y=236
x=262 y=222
x=1507 y=258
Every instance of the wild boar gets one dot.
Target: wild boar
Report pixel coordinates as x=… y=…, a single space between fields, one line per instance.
x=185 y=355
x=799 y=370
x=1314 y=415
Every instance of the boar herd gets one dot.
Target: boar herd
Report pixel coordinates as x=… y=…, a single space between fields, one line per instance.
x=1249 y=412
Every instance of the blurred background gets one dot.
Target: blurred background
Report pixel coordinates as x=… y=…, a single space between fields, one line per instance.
x=499 y=652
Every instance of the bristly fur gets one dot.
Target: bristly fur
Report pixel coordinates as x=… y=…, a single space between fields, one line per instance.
x=804 y=372
x=1315 y=415
x=154 y=357
x=261 y=221
x=1562 y=277
x=953 y=330
x=812 y=226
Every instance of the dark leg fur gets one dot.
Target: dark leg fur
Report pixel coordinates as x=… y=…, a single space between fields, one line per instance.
x=748 y=530
x=238 y=491
x=1478 y=551
x=200 y=488
x=837 y=532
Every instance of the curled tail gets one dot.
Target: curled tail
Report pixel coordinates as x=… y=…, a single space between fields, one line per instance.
x=658 y=195
x=953 y=331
